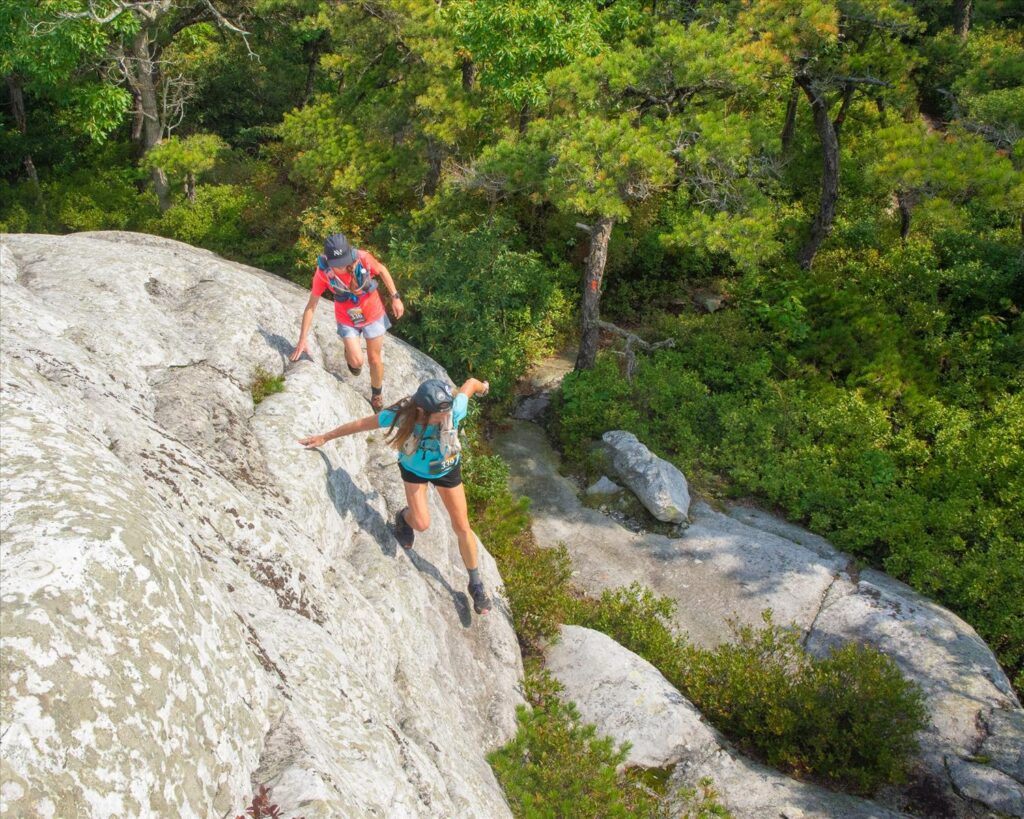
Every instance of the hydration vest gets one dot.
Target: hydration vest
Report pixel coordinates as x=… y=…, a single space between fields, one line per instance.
x=362 y=281
x=448 y=445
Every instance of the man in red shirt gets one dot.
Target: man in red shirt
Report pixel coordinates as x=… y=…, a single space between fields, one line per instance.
x=351 y=276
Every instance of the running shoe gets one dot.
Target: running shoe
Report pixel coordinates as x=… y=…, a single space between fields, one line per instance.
x=481 y=603
x=402 y=530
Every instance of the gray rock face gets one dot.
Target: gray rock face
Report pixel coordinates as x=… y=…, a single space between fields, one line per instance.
x=604 y=486
x=736 y=565
x=657 y=483
x=192 y=603
x=752 y=791
x=629 y=700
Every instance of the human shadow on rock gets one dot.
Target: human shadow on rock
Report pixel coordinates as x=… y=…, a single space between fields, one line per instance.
x=348 y=497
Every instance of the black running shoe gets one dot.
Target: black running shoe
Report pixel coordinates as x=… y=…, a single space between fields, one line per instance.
x=481 y=602
x=403 y=531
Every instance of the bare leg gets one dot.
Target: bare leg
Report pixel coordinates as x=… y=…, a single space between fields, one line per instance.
x=353 y=352
x=418 y=514
x=375 y=355
x=454 y=501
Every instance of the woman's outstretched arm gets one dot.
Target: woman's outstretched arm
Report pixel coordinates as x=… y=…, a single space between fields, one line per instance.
x=362 y=425
x=472 y=387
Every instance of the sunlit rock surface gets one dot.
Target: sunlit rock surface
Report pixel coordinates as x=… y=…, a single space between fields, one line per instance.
x=732 y=565
x=193 y=604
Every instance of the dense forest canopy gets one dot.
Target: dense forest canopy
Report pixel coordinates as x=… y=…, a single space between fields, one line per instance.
x=844 y=175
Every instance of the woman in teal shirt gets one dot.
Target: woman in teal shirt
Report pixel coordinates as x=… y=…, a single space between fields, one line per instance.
x=424 y=428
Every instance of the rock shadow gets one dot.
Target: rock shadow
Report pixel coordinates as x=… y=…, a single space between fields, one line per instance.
x=459 y=599
x=280 y=345
x=348 y=497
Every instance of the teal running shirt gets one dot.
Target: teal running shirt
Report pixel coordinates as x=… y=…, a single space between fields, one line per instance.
x=429 y=451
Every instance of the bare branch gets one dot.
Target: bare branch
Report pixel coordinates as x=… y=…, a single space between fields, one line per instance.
x=633 y=340
x=585 y=228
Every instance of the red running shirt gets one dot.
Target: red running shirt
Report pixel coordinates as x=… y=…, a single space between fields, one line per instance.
x=368 y=309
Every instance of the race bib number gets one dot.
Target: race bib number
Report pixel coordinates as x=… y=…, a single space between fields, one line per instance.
x=443 y=464
x=355 y=315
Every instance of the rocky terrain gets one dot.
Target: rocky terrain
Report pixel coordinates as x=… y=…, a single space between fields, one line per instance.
x=194 y=605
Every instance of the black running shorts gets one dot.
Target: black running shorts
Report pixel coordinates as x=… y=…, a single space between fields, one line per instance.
x=449 y=480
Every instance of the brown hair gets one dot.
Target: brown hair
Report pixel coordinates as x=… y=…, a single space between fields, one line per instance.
x=407 y=415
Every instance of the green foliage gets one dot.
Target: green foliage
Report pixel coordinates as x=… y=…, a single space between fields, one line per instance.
x=475 y=304
x=696 y=803
x=557 y=767
x=513 y=44
x=638 y=620
x=536 y=580
x=851 y=717
x=186 y=159
x=265 y=384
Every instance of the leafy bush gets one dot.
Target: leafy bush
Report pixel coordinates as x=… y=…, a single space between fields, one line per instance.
x=475 y=304
x=557 y=767
x=850 y=718
x=536 y=579
x=892 y=422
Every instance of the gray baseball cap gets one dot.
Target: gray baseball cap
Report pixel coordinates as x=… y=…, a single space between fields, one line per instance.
x=338 y=251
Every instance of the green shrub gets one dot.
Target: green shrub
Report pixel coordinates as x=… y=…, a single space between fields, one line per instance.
x=475 y=304
x=635 y=618
x=850 y=718
x=557 y=767
x=265 y=384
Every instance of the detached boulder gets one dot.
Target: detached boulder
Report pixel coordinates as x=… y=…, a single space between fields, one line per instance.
x=660 y=486
x=628 y=699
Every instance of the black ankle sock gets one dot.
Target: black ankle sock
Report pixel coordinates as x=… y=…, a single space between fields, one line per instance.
x=376 y=390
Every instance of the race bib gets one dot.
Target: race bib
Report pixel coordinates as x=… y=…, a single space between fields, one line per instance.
x=443 y=464
x=355 y=315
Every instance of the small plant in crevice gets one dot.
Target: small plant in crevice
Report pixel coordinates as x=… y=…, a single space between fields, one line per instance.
x=265 y=384
x=262 y=808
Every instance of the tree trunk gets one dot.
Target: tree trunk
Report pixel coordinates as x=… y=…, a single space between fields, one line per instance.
x=21 y=121
x=823 y=220
x=190 y=187
x=962 y=17
x=145 y=81
x=435 y=158
x=312 y=49
x=844 y=108
x=906 y=207
x=590 y=311
x=789 y=126
x=468 y=74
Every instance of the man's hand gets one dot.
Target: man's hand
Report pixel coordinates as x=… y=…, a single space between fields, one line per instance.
x=397 y=308
x=300 y=348
x=313 y=441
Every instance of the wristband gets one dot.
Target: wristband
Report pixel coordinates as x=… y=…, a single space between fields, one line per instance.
x=396 y=295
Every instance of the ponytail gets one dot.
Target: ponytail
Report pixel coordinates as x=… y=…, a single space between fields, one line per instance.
x=407 y=415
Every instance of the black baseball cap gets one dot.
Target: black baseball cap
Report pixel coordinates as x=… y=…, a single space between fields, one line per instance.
x=433 y=395
x=338 y=251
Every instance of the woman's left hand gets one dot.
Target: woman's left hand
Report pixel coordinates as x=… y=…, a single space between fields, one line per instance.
x=397 y=308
